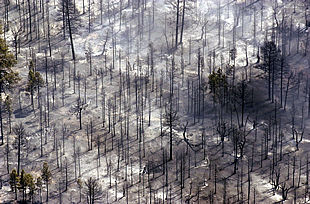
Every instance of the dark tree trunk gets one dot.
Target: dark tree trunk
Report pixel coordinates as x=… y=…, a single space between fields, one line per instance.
x=183 y=16
x=177 y=24
x=70 y=31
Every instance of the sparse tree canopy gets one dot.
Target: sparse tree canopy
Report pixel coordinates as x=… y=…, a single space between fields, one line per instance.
x=23 y=183
x=30 y=185
x=78 y=108
x=8 y=104
x=7 y=60
x=217 y=83
x=46 y=173
x=93 y=190
x=271 y=59
x=8 y=76
x=170 y=100
x=270 y=54
x=39 y=182
x=19 y=129
x=35 y=79
x=20 y=132
x=14 y=179
x=46 y=176
x=171 y=118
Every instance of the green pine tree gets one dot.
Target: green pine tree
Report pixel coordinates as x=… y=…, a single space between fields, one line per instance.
x=35 y=81
x=8 y=76
x=46 y=176
x=217 y=84
x=14 y=180
x=30 y=185
x=39 y=187
x=23 y=183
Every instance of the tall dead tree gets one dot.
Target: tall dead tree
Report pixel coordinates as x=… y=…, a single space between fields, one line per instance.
x=183 y=18
x=70 y=29
x=177 y=24
x=20 y=132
